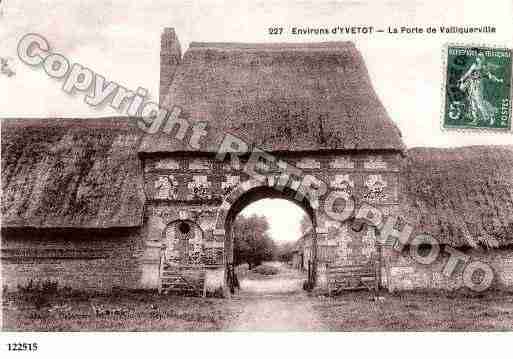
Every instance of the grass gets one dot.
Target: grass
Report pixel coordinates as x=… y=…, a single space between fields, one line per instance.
x=352 y=311
x=418 y=311
x=124 y=311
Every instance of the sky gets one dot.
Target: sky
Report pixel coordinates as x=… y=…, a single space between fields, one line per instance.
x=284 y=217
x=121 y=40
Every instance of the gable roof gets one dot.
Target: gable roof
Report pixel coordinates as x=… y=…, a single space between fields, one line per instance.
x=279 y=97
x=461 y=196
x=71 y=173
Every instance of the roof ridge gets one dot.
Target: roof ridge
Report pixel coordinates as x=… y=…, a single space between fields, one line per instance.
x=273 y=45
x=110 y=122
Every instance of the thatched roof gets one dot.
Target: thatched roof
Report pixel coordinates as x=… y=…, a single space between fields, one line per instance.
x=280 y=97
x=461 y=196
x=71 y=173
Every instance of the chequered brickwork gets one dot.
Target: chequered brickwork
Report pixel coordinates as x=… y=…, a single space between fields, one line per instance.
x=372 y=179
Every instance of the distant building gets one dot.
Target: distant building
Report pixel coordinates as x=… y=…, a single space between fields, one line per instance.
x=303 y=253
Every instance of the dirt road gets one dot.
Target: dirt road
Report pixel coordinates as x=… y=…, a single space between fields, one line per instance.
x=277 y=303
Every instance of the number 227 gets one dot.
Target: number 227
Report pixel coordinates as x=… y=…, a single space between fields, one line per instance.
x=275 y=30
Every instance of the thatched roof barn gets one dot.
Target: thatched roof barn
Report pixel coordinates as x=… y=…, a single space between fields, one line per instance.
x=71 y=173
x=280 y=97
x=461 y=196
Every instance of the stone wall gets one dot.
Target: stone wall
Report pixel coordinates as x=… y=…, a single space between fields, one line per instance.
x=402 y=272
x=83 y=259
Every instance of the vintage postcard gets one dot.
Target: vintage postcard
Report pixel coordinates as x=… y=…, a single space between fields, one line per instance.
x=207 y=166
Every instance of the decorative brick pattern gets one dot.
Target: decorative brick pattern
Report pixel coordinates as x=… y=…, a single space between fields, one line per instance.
x=375 y=163
x=174 y=251
x=200 y=164
x=375 y=188
x=342 y=182
x=342 y=163
x=187 y=247
x=229 y=184
x=167 y=164
x=369 y=243
x=213 y=256
x=309 y=163
x=343 y=250
x=125 y=140
x=199 y=188
x=166 y=187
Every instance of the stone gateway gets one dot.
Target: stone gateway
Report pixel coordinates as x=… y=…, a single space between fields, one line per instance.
x=96 y=204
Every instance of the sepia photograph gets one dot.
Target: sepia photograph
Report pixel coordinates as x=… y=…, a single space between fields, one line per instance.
x=204 y=166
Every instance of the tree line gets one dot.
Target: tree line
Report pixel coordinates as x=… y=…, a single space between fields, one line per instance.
x=253 y=243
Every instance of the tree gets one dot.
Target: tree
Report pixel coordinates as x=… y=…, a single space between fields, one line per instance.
x=305 y=224
x=252 y=243
x=284 y=251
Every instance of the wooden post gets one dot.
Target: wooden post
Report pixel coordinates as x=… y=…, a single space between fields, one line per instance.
x=308 y=272
x=314 y=256
x=378 y=266
x=204 y=284
x=161 y=269
x=389 y=279
x=328 y=285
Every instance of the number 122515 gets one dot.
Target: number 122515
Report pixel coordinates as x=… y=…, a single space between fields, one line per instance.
x=22 y=347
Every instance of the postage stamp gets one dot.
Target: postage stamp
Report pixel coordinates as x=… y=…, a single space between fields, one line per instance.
x=477 y=88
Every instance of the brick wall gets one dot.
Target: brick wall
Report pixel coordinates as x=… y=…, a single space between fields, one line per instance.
x=185 y=188
x=80 y=259
x=372 y=180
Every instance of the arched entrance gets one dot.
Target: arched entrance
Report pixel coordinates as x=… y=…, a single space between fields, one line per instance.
x=197 y=216
x=254 y=193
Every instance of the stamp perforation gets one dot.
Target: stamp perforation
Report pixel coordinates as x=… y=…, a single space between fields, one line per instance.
x=444 y=67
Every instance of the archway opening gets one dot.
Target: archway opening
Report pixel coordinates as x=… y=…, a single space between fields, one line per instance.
x=270 y=242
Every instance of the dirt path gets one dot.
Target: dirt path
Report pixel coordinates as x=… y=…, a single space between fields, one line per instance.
x=276 y=304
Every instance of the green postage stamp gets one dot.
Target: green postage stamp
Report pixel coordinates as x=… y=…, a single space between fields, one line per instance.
x=477 y=88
